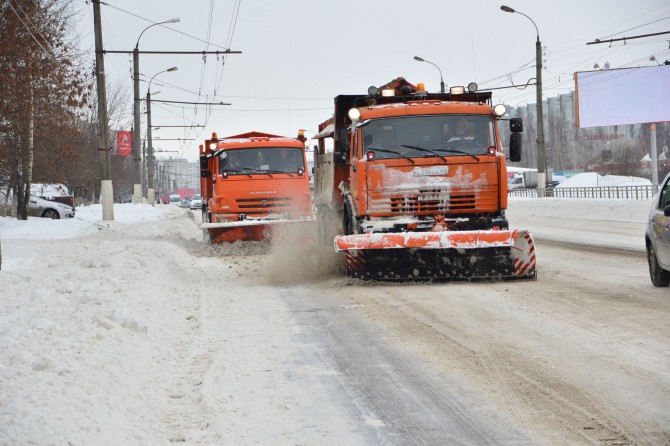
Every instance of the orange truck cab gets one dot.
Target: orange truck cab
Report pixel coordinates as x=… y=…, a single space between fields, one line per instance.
x=251 y=185
x=415 y=185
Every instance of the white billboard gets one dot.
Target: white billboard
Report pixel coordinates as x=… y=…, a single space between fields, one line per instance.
x=622 y=96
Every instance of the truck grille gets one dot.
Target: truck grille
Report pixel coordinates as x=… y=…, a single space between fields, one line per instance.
x=432 y=201
x=263 y=205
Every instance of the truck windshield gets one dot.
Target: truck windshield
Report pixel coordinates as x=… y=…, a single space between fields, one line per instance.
x=261 y=160
x=428 y=136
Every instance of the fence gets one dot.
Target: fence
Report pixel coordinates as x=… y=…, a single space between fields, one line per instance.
x=606 y=192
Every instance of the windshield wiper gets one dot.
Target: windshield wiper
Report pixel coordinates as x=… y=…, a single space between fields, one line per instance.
x=441 y=150
x=277 y=171
x=393 y=152
x=421 y=149
x=238 y=171
x=458 y=151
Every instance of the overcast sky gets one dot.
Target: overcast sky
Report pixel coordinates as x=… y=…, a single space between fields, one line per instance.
x=298 y=54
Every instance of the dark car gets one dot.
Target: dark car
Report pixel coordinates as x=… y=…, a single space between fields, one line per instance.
x=657 y=237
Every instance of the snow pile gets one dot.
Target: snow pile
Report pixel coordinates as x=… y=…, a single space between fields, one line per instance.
x=593 y=179
x=584 y=208
x=130 y=213
x=90 y=313
x=87 y=220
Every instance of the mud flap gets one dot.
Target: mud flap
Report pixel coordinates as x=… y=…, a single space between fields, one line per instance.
x=456 y=255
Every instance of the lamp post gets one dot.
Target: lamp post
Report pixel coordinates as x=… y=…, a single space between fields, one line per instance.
x=151 y=198
x=418 y=59
x=541 y=150
x=137 y=186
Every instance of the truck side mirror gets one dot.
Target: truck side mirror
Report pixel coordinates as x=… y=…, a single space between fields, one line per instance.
x=516 y=125
x=515 y=147
x=206 y=173
x=203 y=162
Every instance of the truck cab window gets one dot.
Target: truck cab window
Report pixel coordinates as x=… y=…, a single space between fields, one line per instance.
x=408 y=135
x=258 y=160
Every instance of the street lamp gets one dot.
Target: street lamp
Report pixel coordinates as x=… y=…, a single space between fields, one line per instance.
x=151 y=198
x=541 y=151
x=417 y=58
x=137 y=188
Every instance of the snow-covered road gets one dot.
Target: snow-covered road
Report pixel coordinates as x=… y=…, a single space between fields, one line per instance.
x=135 y=332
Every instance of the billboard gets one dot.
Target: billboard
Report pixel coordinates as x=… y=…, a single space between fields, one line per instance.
x=622 y=96
x=124 y=142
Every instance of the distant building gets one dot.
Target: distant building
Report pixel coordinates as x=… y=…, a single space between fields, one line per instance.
x=177 y=174
x=571 y=148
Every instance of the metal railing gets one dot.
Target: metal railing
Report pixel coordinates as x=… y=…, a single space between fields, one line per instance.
x=605 y=192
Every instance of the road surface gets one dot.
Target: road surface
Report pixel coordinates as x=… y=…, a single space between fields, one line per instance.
x=579 y=356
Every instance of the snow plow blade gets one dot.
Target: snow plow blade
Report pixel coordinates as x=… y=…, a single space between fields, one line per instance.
x=254 y=230
x=439 y=255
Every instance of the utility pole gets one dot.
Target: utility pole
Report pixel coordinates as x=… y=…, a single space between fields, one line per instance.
x=137 y=186
x=107 y=190
x=144 y=166
x=150 y=158
x=541 y=148
x=654 y=156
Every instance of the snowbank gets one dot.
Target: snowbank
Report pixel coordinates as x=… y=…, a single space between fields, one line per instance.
x=88 y=219
x=593 y=179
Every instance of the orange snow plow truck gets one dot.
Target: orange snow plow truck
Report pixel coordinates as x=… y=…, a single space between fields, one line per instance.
x=413 y=185
x=252 y=185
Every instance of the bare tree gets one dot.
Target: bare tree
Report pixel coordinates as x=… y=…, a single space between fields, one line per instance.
x=44 y=92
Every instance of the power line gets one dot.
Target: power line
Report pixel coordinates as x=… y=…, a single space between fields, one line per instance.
x=163 y=26
x=640 y=26
x=193 y=103
x=228 y=51
x=598 y=41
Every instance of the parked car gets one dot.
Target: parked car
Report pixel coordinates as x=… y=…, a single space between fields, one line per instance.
x=184 y=203
x=175 y=199
x=53 y=192
x=196 y=204
x=657 y=237
x=40 y=207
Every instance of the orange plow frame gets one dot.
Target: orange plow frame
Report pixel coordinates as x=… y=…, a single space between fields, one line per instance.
x=249 y=230
x=441 y=254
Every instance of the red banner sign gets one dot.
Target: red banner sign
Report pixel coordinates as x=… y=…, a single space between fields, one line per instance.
x=124 y=142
